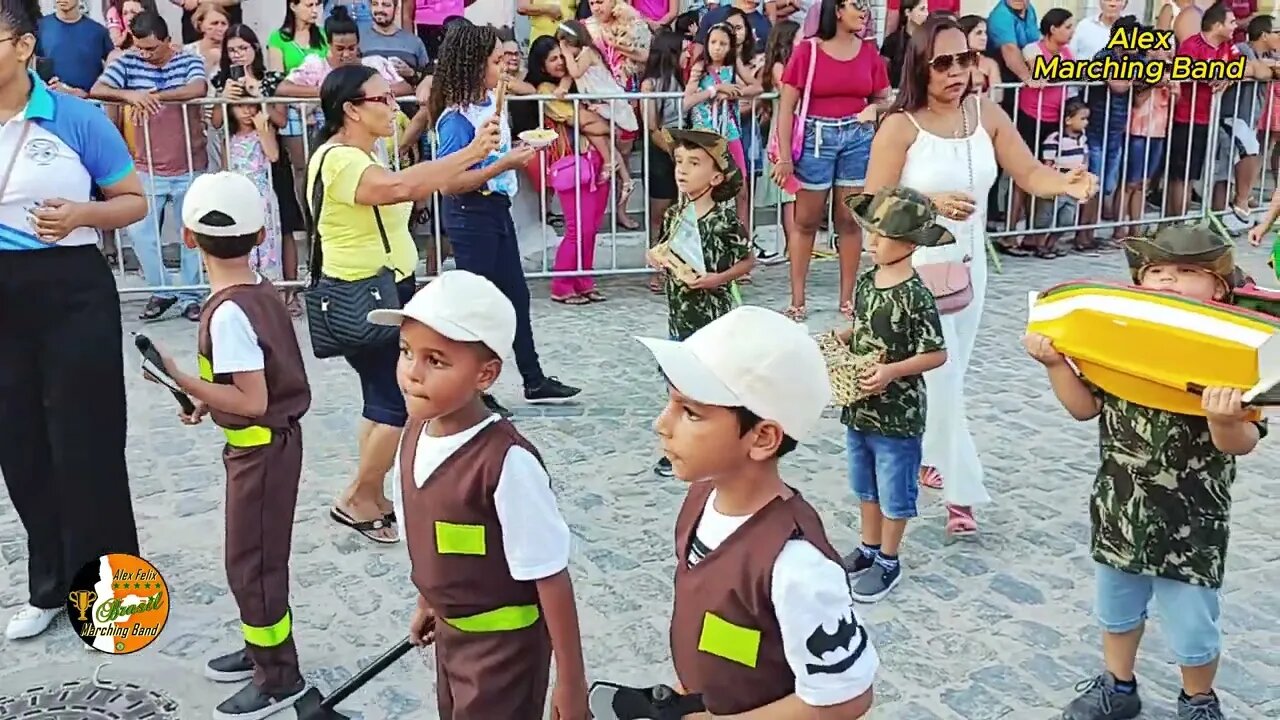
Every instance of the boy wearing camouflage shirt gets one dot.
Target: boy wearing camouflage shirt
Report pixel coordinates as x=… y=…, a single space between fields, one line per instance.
x=895 y=316
x=708 y=179
x=1162 y=498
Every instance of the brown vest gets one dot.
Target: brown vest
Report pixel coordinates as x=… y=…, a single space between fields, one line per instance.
x=451 y=524
x=725 y=639
x=288 y=393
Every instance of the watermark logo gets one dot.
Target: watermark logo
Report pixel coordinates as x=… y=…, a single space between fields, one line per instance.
x=118 y=603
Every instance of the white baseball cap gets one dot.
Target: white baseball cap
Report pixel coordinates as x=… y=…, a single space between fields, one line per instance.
x=229 y=193
x=461 y=306
x=752 y=358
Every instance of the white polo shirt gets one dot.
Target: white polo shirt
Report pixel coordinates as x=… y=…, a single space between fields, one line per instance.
x=68 y=146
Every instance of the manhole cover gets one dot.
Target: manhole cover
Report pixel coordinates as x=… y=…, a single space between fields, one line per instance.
x=81 y=700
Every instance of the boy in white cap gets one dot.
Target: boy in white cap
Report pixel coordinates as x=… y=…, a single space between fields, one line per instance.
x=489 y=549
x=253 y=383
x=763 y=616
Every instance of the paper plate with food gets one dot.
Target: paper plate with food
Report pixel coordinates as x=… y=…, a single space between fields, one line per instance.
x=539 y=138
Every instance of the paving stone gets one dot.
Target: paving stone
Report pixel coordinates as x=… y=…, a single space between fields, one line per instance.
x=997 y=628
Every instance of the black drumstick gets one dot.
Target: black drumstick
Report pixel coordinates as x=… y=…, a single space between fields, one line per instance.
x=156 y=367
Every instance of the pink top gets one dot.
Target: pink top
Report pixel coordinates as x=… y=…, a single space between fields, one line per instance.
x=114 y=21
x=435 y=12
x=841 y=88
x=1044 y=105
x=314 y=69
x=651 y=9
x=1150 y=115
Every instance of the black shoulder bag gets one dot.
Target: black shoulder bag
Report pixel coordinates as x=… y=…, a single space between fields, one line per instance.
x=338 y=310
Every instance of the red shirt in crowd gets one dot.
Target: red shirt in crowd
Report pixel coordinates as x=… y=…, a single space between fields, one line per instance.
x=946 y=6
x=1199 y=48
x=841 y=88
x=1241 y=9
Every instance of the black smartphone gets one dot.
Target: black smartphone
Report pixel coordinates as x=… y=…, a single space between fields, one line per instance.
x=44 y=68
x=236 y=72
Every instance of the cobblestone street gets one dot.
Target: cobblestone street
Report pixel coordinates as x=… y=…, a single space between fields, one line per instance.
x=998 y=628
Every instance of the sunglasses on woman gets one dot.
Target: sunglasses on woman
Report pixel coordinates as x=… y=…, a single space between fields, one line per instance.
x=389 y=100
x=943 y=63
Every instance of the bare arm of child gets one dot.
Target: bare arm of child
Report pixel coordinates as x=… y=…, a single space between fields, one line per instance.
x=577 y=66
x=1229 y=426
x=245 y=396
x=267 y=136
x=711 y=281
x=1259 y=231
x=555 y=595
x=692 y=95
x=1068 y=387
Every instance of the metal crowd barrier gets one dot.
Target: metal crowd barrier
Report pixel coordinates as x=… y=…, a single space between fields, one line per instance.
x=624 y=249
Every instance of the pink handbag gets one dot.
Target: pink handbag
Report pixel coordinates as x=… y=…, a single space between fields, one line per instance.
x=797 y=124
x=950 y=284
x=571 y=171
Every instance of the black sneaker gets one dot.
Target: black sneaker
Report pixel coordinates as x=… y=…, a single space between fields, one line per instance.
x=156 y=307
x=494 y=406
x=1099 y=700
x=253 y=704
x=550 y=391
x=1200 y=707
x=232 y=667
x=662 y=468
x=192 y=312
x=858 y=562
x=874 y=584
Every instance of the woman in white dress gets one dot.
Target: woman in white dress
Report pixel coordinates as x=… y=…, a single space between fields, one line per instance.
x=946 y=142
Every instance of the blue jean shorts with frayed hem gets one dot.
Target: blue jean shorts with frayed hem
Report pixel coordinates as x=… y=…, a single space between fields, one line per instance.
x=885 y=470
x=836 y=151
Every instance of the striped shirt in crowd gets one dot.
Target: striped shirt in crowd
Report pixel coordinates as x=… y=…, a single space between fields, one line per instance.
x=1065 y=152
x=169 y=155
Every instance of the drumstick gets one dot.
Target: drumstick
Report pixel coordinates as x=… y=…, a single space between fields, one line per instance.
x=502 y=95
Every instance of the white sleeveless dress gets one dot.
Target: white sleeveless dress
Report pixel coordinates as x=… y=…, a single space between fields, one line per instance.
x=936 y=164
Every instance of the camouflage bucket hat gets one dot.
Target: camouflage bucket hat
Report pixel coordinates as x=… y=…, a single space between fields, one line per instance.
x=902 y=214
x=718 y=147
x=1196 y=245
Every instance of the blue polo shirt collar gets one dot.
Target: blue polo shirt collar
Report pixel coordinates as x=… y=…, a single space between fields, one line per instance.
x=40 y=104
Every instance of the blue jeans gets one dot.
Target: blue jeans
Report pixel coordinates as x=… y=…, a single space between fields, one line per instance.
x=836 y=152
x=885 y=470
x=1188 y=613
x=1146 y=158
x=145 y=236
x=1106 y=158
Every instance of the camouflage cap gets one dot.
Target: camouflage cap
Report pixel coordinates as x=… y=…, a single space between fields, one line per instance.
x=1196 y=245
x=718 y=148
x=900 y=213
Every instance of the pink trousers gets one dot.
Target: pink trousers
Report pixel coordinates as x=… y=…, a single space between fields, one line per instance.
x=740 y=157
x=583 y=213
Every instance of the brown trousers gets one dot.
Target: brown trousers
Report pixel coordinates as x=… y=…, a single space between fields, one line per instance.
x=262 y=494
x=492 y=676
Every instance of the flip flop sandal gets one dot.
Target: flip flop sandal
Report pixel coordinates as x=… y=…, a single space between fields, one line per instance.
x=930 y=478
x=796 y=312
x=595 y=296
x=390 y=517
x=364 y=527
x=570 y=300
x=960 y=522
x=1011 y=250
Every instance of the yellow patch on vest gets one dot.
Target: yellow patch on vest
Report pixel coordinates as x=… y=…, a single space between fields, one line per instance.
x=456 y=539
x=732 y=642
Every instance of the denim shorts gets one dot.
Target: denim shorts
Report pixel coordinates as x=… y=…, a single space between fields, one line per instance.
x=1107 y=168
x=836 y=152
x=1188 y=613
x=1059 y=212
x=1146 y=158
x=885 y=470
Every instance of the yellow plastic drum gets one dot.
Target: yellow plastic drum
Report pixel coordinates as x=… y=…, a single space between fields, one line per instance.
x=1159 y=349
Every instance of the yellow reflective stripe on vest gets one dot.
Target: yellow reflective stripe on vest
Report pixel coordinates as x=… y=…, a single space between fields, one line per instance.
x=269 y=636
x=206 y=368
x=732 y=642
x=512 y=617
x=252 y=436
x=456 y=539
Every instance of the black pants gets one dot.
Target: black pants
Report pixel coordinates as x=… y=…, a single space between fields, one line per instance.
x=484 y=242
x=62 y=411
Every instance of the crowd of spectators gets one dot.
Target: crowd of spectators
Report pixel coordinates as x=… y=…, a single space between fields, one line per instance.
x=1149 y=143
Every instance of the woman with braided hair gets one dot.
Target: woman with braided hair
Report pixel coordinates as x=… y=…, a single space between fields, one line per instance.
x=477 y=203
x=359 y=201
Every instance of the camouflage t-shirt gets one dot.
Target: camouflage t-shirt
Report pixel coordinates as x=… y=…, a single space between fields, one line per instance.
x=724 y=244
x=902 y=321
x=1161 y=502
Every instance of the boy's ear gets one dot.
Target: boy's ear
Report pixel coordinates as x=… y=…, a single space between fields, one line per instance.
x=489 y=373
x=717 y=180
x=188 y=238
x=262 y=236
x=766 y=438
